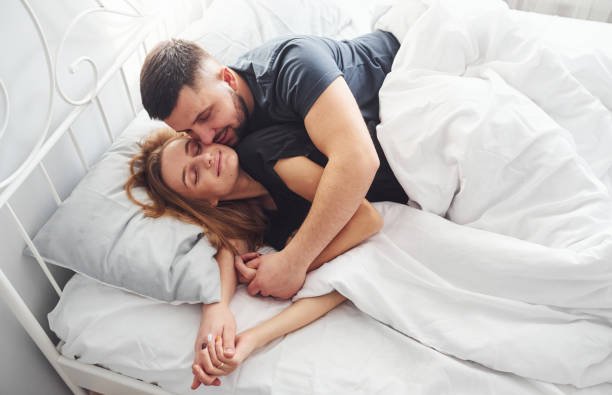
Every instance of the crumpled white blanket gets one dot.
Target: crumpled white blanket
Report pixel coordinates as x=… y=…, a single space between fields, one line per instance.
x=486 y=127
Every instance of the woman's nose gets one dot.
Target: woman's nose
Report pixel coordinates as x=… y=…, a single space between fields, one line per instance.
x=207 y=159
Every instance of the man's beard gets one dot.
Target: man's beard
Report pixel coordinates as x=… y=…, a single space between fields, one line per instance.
x=242 y=111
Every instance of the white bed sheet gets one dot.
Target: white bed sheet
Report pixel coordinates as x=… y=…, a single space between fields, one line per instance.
x=345 y=351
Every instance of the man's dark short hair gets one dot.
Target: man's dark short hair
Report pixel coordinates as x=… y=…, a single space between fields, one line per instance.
x=166 y=69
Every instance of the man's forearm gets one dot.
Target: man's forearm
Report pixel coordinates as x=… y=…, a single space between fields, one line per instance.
x=365 y=223
x=341 y=190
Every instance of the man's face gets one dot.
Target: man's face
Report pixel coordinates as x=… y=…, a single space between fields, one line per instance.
x=212 y=114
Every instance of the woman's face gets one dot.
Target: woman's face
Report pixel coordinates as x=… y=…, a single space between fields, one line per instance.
x=199 y=171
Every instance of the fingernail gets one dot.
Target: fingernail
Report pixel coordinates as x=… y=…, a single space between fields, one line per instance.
x=229 y=349
x=209 y=337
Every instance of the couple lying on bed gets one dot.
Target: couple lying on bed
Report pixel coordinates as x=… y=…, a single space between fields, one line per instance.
x=304 y=110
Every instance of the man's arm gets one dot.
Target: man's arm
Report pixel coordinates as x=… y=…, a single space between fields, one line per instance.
x=336 y=127
x=302 y=176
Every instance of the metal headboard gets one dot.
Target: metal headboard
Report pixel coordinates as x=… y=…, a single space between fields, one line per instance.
x=147 y=25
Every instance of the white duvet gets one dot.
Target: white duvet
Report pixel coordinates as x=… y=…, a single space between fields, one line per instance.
x=487 y=128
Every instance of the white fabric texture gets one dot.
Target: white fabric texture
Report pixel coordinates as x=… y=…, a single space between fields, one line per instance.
x=485 y=126
x=438 y=283
x=344 y=352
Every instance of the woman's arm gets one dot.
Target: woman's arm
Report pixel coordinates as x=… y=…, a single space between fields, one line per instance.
x=294 y=317
x=217 y=320
x=302 y=176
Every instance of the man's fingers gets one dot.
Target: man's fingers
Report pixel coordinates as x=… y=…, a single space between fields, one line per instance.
x=242 y=279
x=250 y=255
x=202 y=376
x=228 y=344
x=253 y=288
x=247 y=273
x=195 y=383
x=208 y=367
x=253 y=263
x=212 y=353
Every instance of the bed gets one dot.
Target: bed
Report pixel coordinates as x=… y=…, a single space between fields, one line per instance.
x=454 y=333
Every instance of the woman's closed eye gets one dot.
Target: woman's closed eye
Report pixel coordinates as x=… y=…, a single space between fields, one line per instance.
x=196 y=175
x=195 y=147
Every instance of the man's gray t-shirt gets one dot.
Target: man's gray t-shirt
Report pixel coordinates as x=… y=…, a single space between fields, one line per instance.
x=287 y=75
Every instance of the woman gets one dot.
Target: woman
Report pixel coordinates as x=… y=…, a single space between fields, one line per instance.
x=205 y=185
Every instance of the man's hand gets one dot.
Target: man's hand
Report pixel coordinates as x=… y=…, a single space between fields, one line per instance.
x=217 y=325
x=276 y=275
x=245 y=272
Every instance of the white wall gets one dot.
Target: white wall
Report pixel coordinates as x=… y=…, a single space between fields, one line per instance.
x=596 y=10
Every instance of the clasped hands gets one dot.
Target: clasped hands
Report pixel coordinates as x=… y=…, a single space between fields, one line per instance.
x=269 y=274
x=218 y=351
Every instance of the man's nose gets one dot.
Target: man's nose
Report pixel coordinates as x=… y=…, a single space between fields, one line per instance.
x=205 y=134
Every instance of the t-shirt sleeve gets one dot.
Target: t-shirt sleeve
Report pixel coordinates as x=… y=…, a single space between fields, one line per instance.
x=308 y=68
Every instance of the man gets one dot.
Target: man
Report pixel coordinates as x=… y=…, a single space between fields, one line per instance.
x=331 y=86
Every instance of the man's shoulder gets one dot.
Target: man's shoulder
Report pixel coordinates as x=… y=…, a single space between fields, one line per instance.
x=298 y=42
x=272 y=48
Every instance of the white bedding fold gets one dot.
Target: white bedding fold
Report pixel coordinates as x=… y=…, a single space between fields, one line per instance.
x=435 y=299
x=485 y=126
x=479 y=150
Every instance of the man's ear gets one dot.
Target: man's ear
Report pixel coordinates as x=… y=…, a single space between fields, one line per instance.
x=228 y=76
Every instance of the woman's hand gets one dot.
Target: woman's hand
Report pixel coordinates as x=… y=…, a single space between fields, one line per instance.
x=246 y=343
x=217 y=326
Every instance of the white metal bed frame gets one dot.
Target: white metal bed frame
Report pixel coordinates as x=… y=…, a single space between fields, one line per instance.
x=76 y=375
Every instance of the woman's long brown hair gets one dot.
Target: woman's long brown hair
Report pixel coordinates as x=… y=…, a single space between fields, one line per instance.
x=230 y=220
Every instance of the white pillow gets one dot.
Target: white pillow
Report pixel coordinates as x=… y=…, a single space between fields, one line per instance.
x=99 y=232
x=231 y=27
